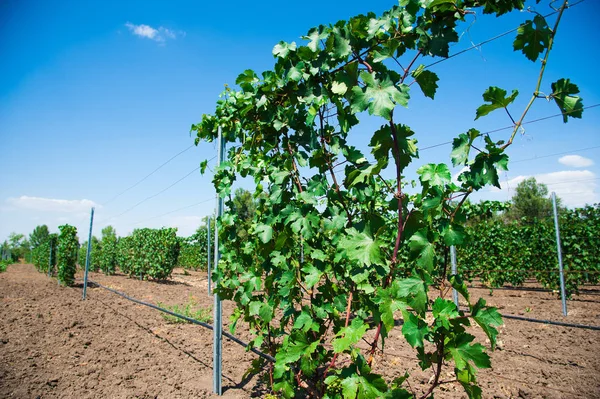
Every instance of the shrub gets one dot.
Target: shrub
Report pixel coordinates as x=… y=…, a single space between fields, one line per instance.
x=66 y=255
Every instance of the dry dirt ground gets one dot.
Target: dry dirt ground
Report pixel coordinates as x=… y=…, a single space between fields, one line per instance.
x=54 y=345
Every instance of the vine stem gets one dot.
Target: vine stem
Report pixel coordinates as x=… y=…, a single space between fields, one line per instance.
x=330 y=167
x=438 y=370
x=399 y=195
x=400 y=225
x=541 y=75
x=348 y=307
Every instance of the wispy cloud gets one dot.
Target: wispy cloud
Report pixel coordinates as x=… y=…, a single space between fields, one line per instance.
x=576 y=187
x=576 y=161
x=160 y=34
x=79 y=207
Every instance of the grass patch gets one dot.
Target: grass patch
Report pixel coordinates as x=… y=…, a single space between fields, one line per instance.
x=189 y=309
x=4 y=264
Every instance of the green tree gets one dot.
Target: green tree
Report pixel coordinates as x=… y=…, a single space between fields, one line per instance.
x=242 y=204
x=19 y=246
x=107 y=258
x=5 y=248
x=531 y=201
x=39 y=236
x=94 y=255
x=66 y=254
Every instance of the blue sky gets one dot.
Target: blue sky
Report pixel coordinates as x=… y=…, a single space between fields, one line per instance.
x=96 y=95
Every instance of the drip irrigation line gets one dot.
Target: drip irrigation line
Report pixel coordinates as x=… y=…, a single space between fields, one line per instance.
x=147 y=176
x=556 y=323
x=189 y=319
x=528 y=271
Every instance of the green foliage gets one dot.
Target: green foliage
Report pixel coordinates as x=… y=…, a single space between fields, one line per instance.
x=189 y=309
x=107 y=255
x=126 y=254
x=18 y=246
x=95 y=255
x=193 y=250
x=533 y=37
x=330 y=259
x=563 y=94
x=497 y=99
x=242 y=204
x=149 y=253
x=39 y=236
x=66 y=254
x=4 y=264
x=44 y=255
x=530 y=201
x=508 y=253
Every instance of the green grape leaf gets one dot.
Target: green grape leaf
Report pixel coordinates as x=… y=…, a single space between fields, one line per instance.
x=533 y=41
x=341 y=46
x=487 y=318
x=459 y=285
x=348 y=336
x=264 y=232
x=412 y=290
x=463 y=352
x=358 y=386
x=453 y=234
x=434 y=175
x=303 y=322
x=422 y=250
x=282 y=49
x=461 y=146
x=361 y=247
x=444 y=310
x=426 y=80
x=379 y=97
x=497 y=99
x=315 y=35
x=265 y=312
x=293 y=348
x=469 y=383
x=254 y=308
x=313 y=275
x=339 y=88
x=414 y=329
x=203 y=166
x=500 y=7
x=569 y=105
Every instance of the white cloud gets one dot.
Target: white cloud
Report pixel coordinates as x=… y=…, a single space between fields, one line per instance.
x=78 y=207
x=576 y=161
x=159 y=34
x=575 y=187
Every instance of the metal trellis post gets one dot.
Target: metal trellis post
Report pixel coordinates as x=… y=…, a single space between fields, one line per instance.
x=51 y=245
x=218 y=326
x=89 y=252
x=208 y=253
x=559 y=252
x=453 y=261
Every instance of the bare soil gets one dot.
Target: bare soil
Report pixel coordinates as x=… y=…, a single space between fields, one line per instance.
x=55 y=345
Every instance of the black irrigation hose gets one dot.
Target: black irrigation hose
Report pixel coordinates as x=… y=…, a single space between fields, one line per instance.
x=194 y=321
x=556 y=323
x=272 y=359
